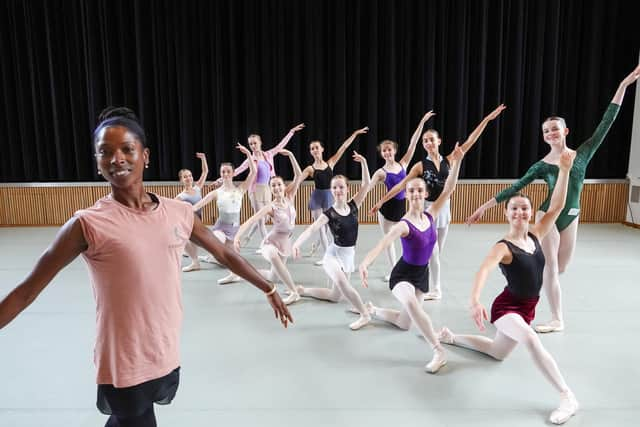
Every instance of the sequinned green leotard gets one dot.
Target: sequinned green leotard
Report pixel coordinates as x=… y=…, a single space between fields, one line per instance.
x=549 y=172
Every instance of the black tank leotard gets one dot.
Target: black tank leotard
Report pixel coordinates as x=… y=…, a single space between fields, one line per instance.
x=435 y=178
x=524 y=274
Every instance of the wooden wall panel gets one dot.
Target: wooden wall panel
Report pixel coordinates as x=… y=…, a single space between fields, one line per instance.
x=41 y=205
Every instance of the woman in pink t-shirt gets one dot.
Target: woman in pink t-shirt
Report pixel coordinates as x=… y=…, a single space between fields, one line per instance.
x=137 y=365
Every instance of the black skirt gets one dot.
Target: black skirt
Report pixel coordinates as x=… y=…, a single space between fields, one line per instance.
x=417 y=275
x=135 y=400
x=393 y=209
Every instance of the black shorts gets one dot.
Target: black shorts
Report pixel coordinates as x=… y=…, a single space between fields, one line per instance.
x=417 y=275
x=393 y=209
x=135 y=400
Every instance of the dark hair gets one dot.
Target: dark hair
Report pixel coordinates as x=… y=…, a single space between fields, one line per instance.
x=518 y=194
x=432 y=131
x=319 y=142
x=120 y=116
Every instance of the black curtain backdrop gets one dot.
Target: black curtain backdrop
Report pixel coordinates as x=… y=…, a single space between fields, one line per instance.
x=204 y=74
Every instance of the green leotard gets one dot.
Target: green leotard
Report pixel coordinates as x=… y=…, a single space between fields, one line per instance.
x=549 y=172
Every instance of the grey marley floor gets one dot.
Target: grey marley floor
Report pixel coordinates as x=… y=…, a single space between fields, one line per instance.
x=240 y=368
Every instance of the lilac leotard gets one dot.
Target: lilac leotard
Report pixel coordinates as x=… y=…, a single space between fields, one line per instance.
x=264 y=172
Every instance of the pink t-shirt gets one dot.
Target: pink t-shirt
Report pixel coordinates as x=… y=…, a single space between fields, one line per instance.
x=134 y=265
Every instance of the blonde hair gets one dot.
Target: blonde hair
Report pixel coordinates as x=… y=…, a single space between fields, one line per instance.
x=181 y=171
x=387 y=141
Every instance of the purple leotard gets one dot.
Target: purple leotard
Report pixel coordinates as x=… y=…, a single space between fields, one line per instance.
x=264 y=172
x=391 y=179
x=418 y=245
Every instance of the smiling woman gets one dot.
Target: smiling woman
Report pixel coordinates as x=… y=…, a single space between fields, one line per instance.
x=138 y=321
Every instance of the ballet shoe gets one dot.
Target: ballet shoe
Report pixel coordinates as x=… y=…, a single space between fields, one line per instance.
x=568 y=407
x=433 y=295
x=319 y=262
x=386 y=278
x=191 y=267
x=292 y=298
x=259 y=251
x=445 y=336
x=552 y=326
x=208 y=259
x=231 y=278
x=362 y=321
x=438 y=361
x=368 y=305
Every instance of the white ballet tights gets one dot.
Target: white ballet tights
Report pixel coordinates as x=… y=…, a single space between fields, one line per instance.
x=390 y=250
x=324 y=240
x=270 y=253
x=340 y=286
x=512 y=329
x=434 y=261
x=260 y=225
x=411 y=301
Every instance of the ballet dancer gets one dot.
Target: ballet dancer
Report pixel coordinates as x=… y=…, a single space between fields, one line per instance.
x=136 y=285
x=409 y=279
x=322 y=172
x=338 y=261
x=390 y=174
x=434 y=169
x=259 y=194
x=522 y=262
x=276 y=247
x=192 y=193
x=559 y=245
x=228 y=198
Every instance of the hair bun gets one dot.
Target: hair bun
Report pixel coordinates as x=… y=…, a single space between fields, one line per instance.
x=111 y=112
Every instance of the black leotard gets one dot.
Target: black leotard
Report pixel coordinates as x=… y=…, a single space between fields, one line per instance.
x=524 y=274
x=435 y=178
x=344 y=227
x=322 y=178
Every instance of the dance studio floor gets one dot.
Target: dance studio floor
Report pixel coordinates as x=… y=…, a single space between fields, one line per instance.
x=241 y=368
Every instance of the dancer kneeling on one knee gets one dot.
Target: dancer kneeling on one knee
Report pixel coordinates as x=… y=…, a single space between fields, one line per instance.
x=276 y=247
x=522 y=261
x=228 y=199
x=409 y=279
x=338 y=263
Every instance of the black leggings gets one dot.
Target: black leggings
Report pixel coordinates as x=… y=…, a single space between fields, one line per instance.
x=146 y=419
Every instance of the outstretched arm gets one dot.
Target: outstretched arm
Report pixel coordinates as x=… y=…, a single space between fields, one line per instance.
x=415 y=172
x=450 y=183
x=292 y=188
x=249 y=223
x=473 y=137
x=532 y=173
x=478 y=312
x=558 y=198
x=253 y=170
x=67 y=245
x=414 y=140
x=626 y=82
x=201 y=236
x=400 y=229
x=321 y=221
x=284 y=141
x=366 y=179
x=588 y=148
x=210 y=197
x=334 y=159
x=205 y=169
